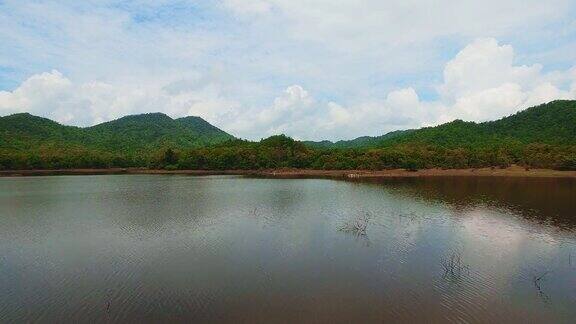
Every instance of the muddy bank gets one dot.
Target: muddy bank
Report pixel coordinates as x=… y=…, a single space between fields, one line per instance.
x=513 y=171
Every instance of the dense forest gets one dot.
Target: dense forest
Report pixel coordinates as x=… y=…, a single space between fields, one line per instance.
x=539 y=137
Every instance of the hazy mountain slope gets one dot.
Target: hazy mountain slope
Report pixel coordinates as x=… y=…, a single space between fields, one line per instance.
x=360 y=142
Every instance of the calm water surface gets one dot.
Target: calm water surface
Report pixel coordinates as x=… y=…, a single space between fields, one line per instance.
x=150 y=248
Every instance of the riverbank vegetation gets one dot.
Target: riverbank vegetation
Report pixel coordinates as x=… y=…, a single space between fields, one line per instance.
x=283 y=152
x=539 y=137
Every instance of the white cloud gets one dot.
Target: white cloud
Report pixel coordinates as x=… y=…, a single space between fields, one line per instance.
x=55 y=96
x=358 y=67
x=358 y=24
x=481 y=65
x=297 y=114
x=40 y=93
x=483 y=83
x=491 y=103
x=480 y=83
x=294 y=106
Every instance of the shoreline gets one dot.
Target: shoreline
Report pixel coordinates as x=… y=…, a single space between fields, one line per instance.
x=513 y=171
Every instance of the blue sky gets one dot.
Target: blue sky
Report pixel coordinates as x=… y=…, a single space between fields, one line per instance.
x=312 y=69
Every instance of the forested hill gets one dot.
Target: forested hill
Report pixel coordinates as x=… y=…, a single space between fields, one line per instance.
x=541 y=137
x=360 y=142
x=23 y=132
x=552 y=123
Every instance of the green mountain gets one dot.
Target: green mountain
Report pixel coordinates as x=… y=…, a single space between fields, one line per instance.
x=551 y=123
x=359 y=142
x=24 y=131
x=539 y=137
x=155 y=130
x=133 y=133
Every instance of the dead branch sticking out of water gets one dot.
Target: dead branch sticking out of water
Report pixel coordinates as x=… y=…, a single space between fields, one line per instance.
x=357 y=226
x=410 y=216
x=453 y=266
x=539 y=277
x=537 y=281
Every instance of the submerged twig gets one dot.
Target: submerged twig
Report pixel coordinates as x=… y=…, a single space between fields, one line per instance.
x=453 y=266
x=357 y=226
x=536 y=280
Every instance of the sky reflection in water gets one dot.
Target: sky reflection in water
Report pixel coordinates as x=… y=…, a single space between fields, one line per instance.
x=157 y=248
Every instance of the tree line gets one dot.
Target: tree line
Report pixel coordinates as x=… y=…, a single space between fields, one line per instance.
x=283 y=152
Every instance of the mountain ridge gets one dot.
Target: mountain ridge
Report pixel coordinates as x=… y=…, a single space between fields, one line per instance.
x=543 y=136
x=132 y=132
x=526 y=125
x=539 y=126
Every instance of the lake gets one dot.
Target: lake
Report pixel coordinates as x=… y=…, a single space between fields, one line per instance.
x=151 y=248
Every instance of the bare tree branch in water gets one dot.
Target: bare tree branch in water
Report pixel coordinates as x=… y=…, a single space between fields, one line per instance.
x=536 y=279
x=453 y=266
x=411 y=216
x=358 y=225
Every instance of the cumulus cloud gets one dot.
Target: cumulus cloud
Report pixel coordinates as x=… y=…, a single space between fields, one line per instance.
x=294 y=106
x=481 y=65
x=296 y=113
x=313 y=69
x=53 y=95
x=480 y=83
